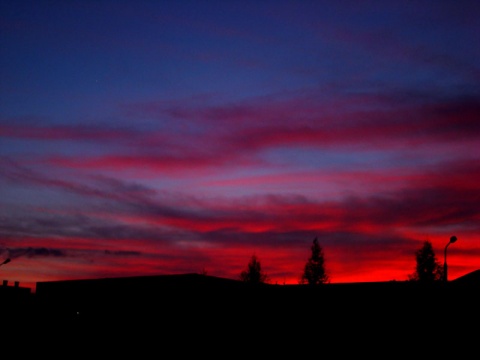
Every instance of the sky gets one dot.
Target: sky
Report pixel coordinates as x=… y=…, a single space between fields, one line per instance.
x=159 y=137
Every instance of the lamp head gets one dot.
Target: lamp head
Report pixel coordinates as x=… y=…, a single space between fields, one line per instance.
x=453 y=239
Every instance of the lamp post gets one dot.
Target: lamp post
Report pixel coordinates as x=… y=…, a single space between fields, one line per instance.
x=452 y=240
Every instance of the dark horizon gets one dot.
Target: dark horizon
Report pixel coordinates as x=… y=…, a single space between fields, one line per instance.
x=471 y=279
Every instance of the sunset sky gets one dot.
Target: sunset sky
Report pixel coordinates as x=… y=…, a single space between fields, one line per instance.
x=168 y=137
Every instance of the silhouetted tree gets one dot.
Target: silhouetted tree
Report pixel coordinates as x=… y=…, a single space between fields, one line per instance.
x=314 y=272
x=254 y=273
x=427 y=269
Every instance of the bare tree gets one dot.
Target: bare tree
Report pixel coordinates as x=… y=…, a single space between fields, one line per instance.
x=314 y=272
x=427 y=268
x=253 y=273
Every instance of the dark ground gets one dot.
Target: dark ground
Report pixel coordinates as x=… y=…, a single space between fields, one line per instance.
x=230 y=320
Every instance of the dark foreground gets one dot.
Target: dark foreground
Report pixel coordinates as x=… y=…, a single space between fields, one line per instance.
x=227 y=318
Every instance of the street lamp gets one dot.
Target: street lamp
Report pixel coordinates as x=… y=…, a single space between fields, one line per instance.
x=452 y=240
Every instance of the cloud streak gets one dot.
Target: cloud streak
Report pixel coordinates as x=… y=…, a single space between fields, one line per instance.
x=137 y=216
